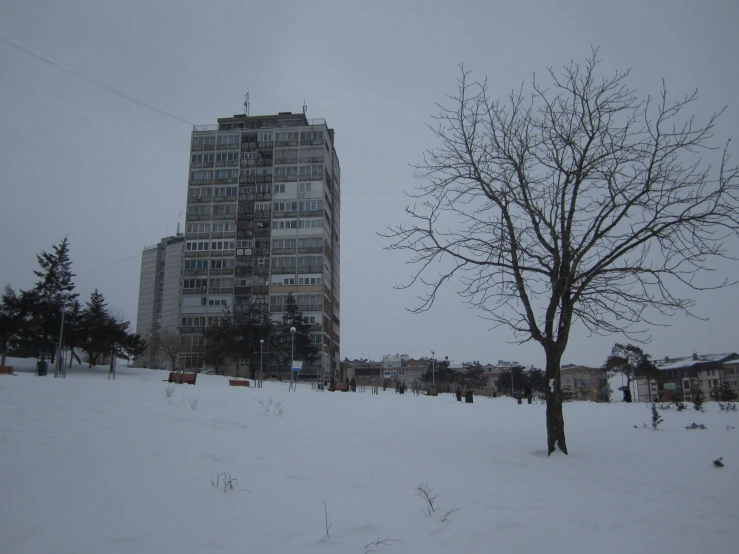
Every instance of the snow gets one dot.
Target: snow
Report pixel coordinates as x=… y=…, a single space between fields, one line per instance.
x=89 y=464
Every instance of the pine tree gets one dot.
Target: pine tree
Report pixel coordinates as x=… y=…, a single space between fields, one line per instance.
x=10 y=322
x=697 y=394
x=303 y=348
x=656 y=418
x=41 y=306
x=95 y=328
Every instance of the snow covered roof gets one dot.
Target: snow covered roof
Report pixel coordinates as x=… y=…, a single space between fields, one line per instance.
x=690 y=361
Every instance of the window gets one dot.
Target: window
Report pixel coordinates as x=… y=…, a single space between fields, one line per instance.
x=246 y=243
x=221 y=264
x=224 y=209
x=310 y=223
x=226 y=173
x=316 y=338
x=202 y=175
x=248 y=155
x=311 y=135
x=247 y=171
x=310 y=320
x=282 y=156
x=309 y=261
x=285 y=206
x=262 y=261
x=227 y=139
x=196 y=264
x=309 y=280
x=197 y=228
x=262 y=206
x=283 y=243
x=222 y=245
x=193 y=322
x=222 y=283
x=224 y=227
x=227 y=156
x=265 y=136
x=279 y=189
x=194 y=283
x=217 y=302
x=303 y=187
x=192 y=246
x=199 y=192
x=287 y=136
x=264 y=188
x=192 y=341
x=283 y=262
x=312 y=242
x=281 y=280
x=196 y=158
x=285 y=224
x=225 y=191
x=310 y=205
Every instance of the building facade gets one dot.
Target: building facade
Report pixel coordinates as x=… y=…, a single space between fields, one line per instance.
x=159 y=294
x=263 y=221
x=677 y=376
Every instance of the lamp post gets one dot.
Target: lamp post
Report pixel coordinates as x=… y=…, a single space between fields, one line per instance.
x=433 y=369
x=261 y=347
x=292 y=358
x=59 y=367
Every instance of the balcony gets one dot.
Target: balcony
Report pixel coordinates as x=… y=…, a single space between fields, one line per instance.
x=261 y=289
x=245 y=233
x=197 y=217
x=261 y=233
x=248 y=179
x=265 y=145
x=224 y=199
x=265 y=215
x=224 y=216
x=264 y=196
x=226 y=181
x=190 y=272
x=214 y=290
x=261 y=271
x=243 y=271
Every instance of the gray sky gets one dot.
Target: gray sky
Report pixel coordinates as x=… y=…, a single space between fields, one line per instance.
x=111 y=175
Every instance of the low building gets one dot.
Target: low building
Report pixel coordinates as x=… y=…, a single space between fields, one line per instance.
x=584 y=383
x=678 y=375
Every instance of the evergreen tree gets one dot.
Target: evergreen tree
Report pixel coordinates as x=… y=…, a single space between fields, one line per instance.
x=471 y=377
x=304 y=350
x=10 y=322
x=656 y=418
x=503 y=382
x=537 y=380
x=94 y=328
x=41 y=306
x=697 y=394
x=726 y=393
x=438 y=371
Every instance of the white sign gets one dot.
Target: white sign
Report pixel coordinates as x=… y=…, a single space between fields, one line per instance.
x=297 y=365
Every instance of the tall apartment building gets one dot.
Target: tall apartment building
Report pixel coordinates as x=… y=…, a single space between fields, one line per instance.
x=159 y=293
x=263 y=218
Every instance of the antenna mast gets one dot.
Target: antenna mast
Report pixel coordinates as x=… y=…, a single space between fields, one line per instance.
x=247 y=104
x=179 y=214
x=305 y=107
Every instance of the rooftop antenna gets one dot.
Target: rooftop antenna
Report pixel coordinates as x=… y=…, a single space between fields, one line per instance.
x=246 y=104
x=179 y=214
x=305 y=107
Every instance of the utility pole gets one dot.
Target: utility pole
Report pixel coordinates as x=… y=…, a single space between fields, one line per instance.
x=433 y=369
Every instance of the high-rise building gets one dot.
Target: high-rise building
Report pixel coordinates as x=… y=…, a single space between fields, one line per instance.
x=159 y=294
x=263 y=217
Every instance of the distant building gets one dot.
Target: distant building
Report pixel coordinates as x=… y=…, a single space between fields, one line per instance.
x=159 y=294
x=677 y=375
x=583 y=383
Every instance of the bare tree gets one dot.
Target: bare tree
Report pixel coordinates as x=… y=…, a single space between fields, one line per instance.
x=574 y=202
x=169 y=343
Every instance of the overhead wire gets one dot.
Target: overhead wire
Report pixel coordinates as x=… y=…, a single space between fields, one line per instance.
x=47 y=58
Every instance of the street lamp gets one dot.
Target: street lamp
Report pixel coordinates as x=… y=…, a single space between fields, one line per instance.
x=261 y=346
x=433 y=369
x=59 y=369
x=292 y=357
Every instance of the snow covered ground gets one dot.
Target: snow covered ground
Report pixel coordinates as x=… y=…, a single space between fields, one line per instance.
x=99 y=466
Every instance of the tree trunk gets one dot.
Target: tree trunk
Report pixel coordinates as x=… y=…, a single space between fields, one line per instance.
x=555 y=419
x=4 y=359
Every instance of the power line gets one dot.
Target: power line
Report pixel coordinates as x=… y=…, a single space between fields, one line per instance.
x=90 y=80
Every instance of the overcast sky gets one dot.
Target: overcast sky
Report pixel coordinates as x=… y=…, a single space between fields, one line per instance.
x=112 y=175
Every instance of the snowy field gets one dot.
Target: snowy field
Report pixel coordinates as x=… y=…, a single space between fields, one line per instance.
x=89 y=465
